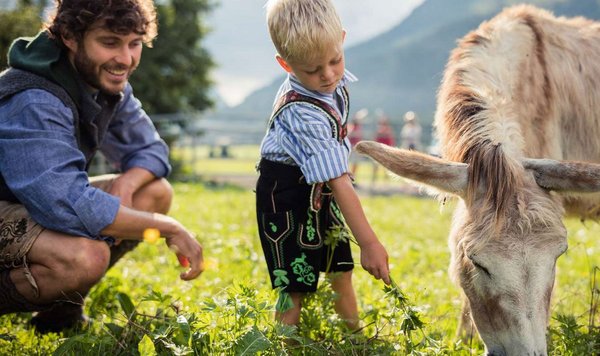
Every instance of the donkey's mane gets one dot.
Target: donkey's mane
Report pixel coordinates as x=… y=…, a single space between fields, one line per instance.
x=469 y=139
x=487 y=100
x=478 y=120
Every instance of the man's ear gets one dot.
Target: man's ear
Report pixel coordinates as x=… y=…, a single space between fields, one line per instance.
x=283 y=63
x=71 y=43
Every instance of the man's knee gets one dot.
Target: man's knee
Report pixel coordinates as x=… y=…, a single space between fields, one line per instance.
x=155 y=196
x=86 y=264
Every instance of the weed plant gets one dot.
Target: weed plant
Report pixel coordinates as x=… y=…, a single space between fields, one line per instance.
x=142 y=308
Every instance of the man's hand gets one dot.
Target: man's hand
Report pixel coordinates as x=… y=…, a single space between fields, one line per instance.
x=374 y=259
x=132 y=224
x=124 y=190
x=128 y=183
x=188 y=250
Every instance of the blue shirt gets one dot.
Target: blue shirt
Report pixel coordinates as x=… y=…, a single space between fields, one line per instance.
x=301 y=135
x=41 y=163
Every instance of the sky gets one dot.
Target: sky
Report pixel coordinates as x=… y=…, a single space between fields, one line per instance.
x=240 y=45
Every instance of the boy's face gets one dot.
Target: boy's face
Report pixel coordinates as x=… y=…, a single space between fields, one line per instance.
x=321 y=74
x=105 y=59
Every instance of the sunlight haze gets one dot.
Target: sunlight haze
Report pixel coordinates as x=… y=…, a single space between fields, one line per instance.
x=241 y=47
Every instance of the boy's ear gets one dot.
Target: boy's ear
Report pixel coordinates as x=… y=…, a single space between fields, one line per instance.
x=343 y=35
x=283 y=63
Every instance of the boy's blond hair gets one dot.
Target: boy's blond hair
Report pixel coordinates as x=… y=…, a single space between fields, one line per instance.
x=303 y=29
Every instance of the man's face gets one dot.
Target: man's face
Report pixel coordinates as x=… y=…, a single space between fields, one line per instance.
x=106 y=59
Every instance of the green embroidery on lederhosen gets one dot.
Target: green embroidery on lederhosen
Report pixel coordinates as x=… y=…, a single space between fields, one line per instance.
x=281 y=279
x=276 y=243
x=303 y=270
x=336 y=212
x=309 y=234
x=310 y=228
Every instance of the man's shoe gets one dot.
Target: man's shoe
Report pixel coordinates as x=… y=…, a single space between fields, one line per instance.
x=61 y=316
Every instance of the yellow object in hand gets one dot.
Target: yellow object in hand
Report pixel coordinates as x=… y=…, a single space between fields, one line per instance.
x=151 y=235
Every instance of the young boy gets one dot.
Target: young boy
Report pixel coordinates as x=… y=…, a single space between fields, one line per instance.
x=304 y=182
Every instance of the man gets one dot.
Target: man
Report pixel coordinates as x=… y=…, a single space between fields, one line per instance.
x=65 y=96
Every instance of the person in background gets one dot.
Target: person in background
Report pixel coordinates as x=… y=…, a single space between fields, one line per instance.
x=64 y=97
x=304 y=190
x=410 y=135
x=355 y=135
x=383 y=134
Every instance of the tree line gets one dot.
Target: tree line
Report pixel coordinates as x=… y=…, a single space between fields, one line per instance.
x=173 y=75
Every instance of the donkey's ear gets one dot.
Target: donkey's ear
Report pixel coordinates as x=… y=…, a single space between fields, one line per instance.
x=442 y=175
x=565 y=176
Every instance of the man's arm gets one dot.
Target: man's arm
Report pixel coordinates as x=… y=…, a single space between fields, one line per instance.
x=131 y=224
x=132 y=140
x=44 y=168
x=374 y=257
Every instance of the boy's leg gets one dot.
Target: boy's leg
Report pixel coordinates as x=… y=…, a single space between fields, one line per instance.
x=345 y=304
x=292 y=315
x=339 y=271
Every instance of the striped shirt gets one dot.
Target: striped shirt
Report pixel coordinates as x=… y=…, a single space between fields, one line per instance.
x=302 y=136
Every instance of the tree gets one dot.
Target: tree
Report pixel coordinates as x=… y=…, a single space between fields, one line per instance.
x=173 y=74
x=21 y=21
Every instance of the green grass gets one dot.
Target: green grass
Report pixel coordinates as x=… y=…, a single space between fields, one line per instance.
x=141 y=307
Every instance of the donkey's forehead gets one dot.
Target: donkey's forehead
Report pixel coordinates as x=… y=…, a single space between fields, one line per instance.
x=516 y=244
x=528 y=211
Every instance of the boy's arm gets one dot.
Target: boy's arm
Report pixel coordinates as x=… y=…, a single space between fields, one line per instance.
x=373 y=256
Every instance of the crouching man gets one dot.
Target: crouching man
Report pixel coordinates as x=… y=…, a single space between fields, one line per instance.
x=64 y=97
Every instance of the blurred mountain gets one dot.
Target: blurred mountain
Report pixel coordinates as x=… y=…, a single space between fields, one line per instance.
x=400 y=70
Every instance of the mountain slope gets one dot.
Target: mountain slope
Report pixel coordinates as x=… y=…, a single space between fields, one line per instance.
x=401 y=69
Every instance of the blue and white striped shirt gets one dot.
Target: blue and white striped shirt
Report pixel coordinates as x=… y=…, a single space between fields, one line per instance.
x=301 y=135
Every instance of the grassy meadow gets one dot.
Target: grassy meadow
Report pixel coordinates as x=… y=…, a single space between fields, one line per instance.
x=142 y=308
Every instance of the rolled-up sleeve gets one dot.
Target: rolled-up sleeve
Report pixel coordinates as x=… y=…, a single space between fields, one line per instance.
x=308 y=138
x=43 y=167
x=132 y=139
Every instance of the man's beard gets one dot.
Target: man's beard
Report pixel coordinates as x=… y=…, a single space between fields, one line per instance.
x=87 y=69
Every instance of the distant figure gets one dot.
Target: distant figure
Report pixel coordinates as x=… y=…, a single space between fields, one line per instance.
x=384 y=134
x=410 y=135
x=355 y=135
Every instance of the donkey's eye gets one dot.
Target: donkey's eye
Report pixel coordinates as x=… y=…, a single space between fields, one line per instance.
x=480 y=267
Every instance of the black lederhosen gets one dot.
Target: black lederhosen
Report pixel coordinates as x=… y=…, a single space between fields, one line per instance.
x=293 y=235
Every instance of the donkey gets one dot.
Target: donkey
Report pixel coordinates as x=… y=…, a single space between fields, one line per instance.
x=518 y=118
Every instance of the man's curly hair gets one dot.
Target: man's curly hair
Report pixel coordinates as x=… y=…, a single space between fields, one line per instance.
x=73 y=18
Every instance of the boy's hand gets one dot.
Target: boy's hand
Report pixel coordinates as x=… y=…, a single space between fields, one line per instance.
x=374 y=259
